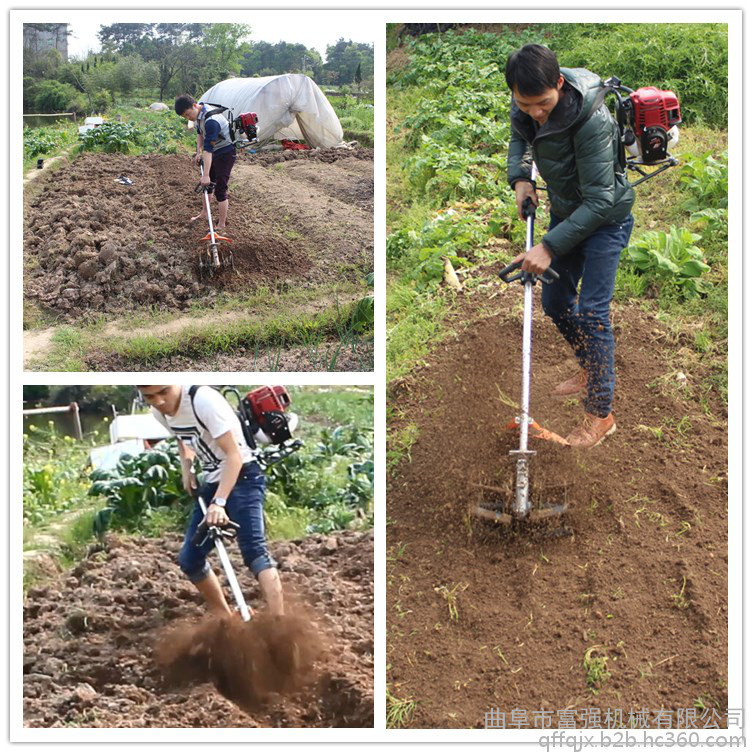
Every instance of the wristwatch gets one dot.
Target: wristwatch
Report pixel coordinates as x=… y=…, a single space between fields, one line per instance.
x=219 y=502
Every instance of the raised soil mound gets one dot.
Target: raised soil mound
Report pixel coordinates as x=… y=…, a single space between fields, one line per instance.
x=642 y=580
x=89 y=642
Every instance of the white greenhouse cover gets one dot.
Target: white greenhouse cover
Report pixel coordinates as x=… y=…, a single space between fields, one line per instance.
x=288 y=106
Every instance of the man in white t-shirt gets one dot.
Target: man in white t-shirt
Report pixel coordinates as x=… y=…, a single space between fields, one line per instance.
x=207 y=427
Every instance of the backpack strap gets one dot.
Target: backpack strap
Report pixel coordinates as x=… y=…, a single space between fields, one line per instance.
x=218 y=109
x=600 y=98
x=192 y=393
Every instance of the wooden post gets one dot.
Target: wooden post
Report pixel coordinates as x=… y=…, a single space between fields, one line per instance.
x=72 y=408
x=76 y=421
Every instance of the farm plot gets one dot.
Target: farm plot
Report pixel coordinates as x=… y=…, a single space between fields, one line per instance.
x=95 y=248
x=89 y=640
x=630 y=612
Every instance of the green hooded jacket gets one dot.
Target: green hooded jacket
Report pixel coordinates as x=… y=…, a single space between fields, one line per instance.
x=577 y=153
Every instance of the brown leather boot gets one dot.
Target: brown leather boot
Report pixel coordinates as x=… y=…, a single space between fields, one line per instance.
x=572 y=387
x=592 y=431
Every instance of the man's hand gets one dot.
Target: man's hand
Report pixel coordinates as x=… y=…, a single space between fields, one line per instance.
x=197 y=159
x=216 y=516
x=536 y=260
x=523 y=190
x=205 y=179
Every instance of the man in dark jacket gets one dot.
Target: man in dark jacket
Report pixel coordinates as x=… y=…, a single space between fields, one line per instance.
x=559 y=122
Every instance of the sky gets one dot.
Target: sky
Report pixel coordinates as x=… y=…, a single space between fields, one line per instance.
x=296 y=28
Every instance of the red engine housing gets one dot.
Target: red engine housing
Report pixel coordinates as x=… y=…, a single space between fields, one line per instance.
x=247 y=119
x=267 y=399
x=654 y=108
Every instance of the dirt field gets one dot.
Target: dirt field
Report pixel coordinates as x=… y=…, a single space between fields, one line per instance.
x=89 y=640
x=93 y=246
x=643 y=578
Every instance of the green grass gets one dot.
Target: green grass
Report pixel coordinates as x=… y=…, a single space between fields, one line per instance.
x=399 y=711
x=335 y=405
x=356 y=118
x=288 y=523
x=400 y=444
x=414 y=325
x=257 y=331
x=595 y=664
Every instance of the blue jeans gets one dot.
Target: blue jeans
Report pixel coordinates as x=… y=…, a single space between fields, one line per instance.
x=245 y=506
x=585 y=322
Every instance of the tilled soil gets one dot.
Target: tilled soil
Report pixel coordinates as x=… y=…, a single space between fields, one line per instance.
x=89 y=641
x=92 y=245
x=635 y=573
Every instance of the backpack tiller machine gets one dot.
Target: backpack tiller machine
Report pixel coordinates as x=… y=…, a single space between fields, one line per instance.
x=263 y=414
x=647 y=120
x=214 y=257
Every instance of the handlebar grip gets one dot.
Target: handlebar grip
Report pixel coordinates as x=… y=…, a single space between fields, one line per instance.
x=528 y=208
x=549 y=276
x=507 y=270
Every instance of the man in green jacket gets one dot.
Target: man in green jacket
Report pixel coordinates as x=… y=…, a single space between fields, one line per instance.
x=560 y=123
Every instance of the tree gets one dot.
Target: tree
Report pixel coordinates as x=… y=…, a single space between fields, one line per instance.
x=163 y=44
x=266 y=59
x=128 y=73
x=52 y=96
x=35 y=393
x=43 y=64
x=93 y=398
x=224 y=45
x=343 y=59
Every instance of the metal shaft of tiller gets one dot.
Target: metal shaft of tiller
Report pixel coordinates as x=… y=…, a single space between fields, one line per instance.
x=213 y=242
x=521 y=506
x=229 y=571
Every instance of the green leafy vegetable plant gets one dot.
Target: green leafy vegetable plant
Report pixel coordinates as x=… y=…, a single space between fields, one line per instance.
x=672 y=259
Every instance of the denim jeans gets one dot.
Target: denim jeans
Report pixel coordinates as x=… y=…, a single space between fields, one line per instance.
x=585 y=322
x=245 y=506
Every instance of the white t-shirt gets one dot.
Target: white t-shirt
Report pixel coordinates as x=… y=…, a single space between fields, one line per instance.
x=218 y=416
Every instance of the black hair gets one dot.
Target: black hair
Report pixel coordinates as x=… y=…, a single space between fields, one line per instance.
x=184 y=102
x=532 y=69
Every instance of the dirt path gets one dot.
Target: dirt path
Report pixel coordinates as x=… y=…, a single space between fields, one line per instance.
x=88 y=640
x=644 y=579
x=324 y=211
x=92 y=245
x=34 y=174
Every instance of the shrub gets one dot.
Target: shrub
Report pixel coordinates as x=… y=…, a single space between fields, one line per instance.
x=671 y=259
x=53 y=477
x=52 y=96
x=137 y=486
x=690 y=59
x=111 y=137
x=46 y=140
x=706 y=179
